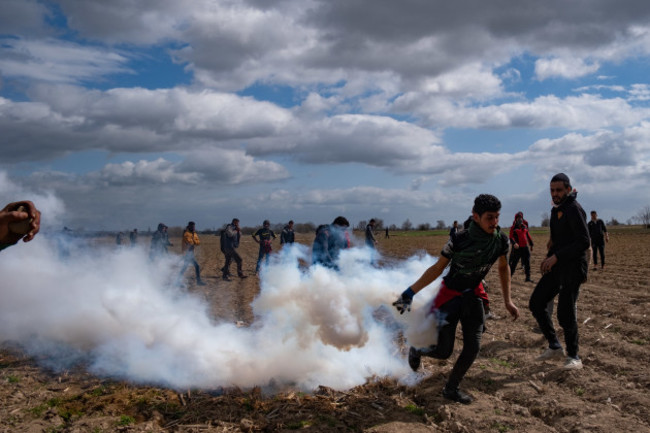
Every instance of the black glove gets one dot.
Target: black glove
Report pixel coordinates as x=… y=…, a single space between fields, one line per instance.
x=403 y=303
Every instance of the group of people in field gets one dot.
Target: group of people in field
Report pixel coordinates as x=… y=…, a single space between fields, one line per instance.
x=467 y=257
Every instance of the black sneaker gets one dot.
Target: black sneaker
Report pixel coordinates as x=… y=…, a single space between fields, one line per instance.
x=415 y=357
x=200 y=283
x=226 y=278
x=242 y=276
x=456 y=395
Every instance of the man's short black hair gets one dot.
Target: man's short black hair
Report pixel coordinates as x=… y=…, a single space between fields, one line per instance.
x=486 y=203
x=341 y=221
x=235 y=220
x=561 y=177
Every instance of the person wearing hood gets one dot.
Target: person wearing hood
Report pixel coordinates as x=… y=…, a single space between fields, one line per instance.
x=520 y=240
x=330 y=240
x=159 y=242
x=563 y=271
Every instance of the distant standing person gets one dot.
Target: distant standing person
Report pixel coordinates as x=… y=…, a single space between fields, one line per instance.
x=370 y=234
x=287 y=236
x=133 y=237
x=387 y=235
x=520 y=239
x=265 y=235
x=191 y=240
x=230 y=238
x=159 y=242
x=454 y=229
x=119 y=238
x=563 y=271
x=598 y=234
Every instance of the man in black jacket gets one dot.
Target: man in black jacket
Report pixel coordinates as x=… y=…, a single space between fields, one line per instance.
x=598 y=234
x=563 y=271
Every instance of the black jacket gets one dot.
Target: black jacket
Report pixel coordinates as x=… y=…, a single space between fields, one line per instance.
x=569 y=235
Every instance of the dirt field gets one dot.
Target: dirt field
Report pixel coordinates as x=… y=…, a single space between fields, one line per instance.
x=513 y=392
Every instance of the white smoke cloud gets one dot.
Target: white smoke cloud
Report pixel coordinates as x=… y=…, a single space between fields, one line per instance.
x=125 y=317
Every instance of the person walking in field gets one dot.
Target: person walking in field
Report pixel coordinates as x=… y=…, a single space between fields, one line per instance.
x=598 y=234
x=265 y=235
x=287 y=236
x=191 y=240
x=520 y=239
x=371 y=241
x=469 y=254
x=563 y=271
x=230 y=238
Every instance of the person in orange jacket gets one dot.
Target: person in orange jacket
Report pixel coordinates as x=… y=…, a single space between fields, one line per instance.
x=190 y=240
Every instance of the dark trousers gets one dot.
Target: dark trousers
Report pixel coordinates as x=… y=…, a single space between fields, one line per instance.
x=522 y=253
x=468 y=310
x=568 y=287
x=260 y=256
x=190 y=260
x=595 y=248
x=230 y=256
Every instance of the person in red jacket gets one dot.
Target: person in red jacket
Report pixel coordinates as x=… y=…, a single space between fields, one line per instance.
x=520 y=239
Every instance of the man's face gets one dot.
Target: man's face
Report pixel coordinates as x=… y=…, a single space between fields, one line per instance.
x=559 y=192
x=290 y=225
x=594 y=216
x=488 y=221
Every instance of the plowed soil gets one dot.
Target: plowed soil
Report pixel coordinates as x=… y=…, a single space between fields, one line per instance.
x=512 y=391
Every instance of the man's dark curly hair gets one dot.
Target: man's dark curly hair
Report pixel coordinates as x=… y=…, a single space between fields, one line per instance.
x=341 y=221
x=486 y=203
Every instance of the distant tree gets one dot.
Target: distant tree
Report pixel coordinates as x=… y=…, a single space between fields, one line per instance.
x=407 y=225
x=643 y=216
x=441 y=225
x=392 y=227
x=546 y=220
x=304 y=227
x=362 y=225
x=424 y=226
x=613 y=222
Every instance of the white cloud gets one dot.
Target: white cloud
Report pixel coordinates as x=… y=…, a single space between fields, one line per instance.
x=569 y=67
x=52 y=60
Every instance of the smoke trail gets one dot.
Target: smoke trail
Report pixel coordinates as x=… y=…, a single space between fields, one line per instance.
x=122 y=315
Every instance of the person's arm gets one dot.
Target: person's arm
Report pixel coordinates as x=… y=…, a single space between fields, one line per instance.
x=605 y=231
x=255 y=237
x=504 y=278
x=430 y=275
x=530 y=240
x=10 y=214
x=403 y=303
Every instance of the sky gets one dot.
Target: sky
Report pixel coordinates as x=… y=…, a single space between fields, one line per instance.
x=132 y=113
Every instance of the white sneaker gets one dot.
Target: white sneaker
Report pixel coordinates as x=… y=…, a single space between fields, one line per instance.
x=572 y=364
x=549 y=354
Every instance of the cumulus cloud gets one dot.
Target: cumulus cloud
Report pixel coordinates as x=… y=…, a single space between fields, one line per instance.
x=563 y=67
